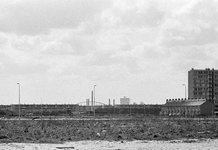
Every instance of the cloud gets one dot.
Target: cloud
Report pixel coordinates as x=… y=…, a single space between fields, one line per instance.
x=10 y=67
x=138 y=14
x=193 y=24
x=189 y=34
x=29 y=17
x=3 y=39
x=55 y=48
x=185 y=58
x=145 y=15
x=120 y=34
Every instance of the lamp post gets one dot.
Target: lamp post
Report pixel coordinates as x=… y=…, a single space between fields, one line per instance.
x=41 y=108
x=94 y=100
x=19 y=99
x=185 y=90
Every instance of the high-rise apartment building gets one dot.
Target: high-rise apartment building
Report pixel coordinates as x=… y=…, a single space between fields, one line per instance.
x=124 y=101
x=203 y=84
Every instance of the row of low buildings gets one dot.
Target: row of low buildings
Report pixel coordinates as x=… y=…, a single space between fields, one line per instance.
x=26 y=109
x=51 y=109
x=187 y=107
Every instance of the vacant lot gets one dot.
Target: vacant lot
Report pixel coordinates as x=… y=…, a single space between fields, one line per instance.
x=58 y=131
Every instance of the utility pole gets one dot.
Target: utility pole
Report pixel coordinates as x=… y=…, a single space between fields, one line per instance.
x=19 y=100
x=185 y=90
x=41 y=108
x=94 y=100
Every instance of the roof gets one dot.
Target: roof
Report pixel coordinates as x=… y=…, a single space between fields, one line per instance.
x=186 y=102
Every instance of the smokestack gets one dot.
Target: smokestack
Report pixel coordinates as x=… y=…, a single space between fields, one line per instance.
x=109 y=102
x=92 y=100
x=87 y=102
x=114 y=102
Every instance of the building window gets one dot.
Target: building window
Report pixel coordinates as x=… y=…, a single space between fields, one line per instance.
x=200 y=93
x=199 y=89
x=200 y=72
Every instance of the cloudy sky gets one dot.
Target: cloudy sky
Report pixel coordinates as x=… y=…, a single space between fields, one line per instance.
x=59 y=49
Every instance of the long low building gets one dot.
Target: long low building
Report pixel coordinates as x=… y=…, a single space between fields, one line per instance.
x=55 y=109
x=187 y=107
x=32 y=108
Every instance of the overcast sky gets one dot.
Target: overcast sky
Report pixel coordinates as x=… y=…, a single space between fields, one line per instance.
x=143 y=49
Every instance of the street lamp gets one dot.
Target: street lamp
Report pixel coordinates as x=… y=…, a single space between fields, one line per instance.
x=185 y=90
x=41 y=108
x=94 y=100
x=19 y=99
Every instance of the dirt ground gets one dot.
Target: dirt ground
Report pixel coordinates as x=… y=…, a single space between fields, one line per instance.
x=117 y=145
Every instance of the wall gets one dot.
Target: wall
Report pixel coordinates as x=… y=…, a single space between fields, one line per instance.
x=206 y=108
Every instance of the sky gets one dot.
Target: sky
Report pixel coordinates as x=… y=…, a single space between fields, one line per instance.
x=59 y=49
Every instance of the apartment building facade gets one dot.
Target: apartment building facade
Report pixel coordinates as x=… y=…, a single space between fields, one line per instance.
x=203 y=84
x=124 y=101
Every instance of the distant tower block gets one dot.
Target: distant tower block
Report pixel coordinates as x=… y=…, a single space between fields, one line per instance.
x=124 y=101
x=203 y=83
x=87 y=102
x=114 y=102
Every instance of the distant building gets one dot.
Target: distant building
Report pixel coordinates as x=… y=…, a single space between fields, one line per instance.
x=187 y=107
x=5 y=107
x=203 y=84
x=124 y=101
x=32 y=108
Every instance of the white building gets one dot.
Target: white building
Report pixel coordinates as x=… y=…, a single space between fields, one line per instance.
x=124 y=101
